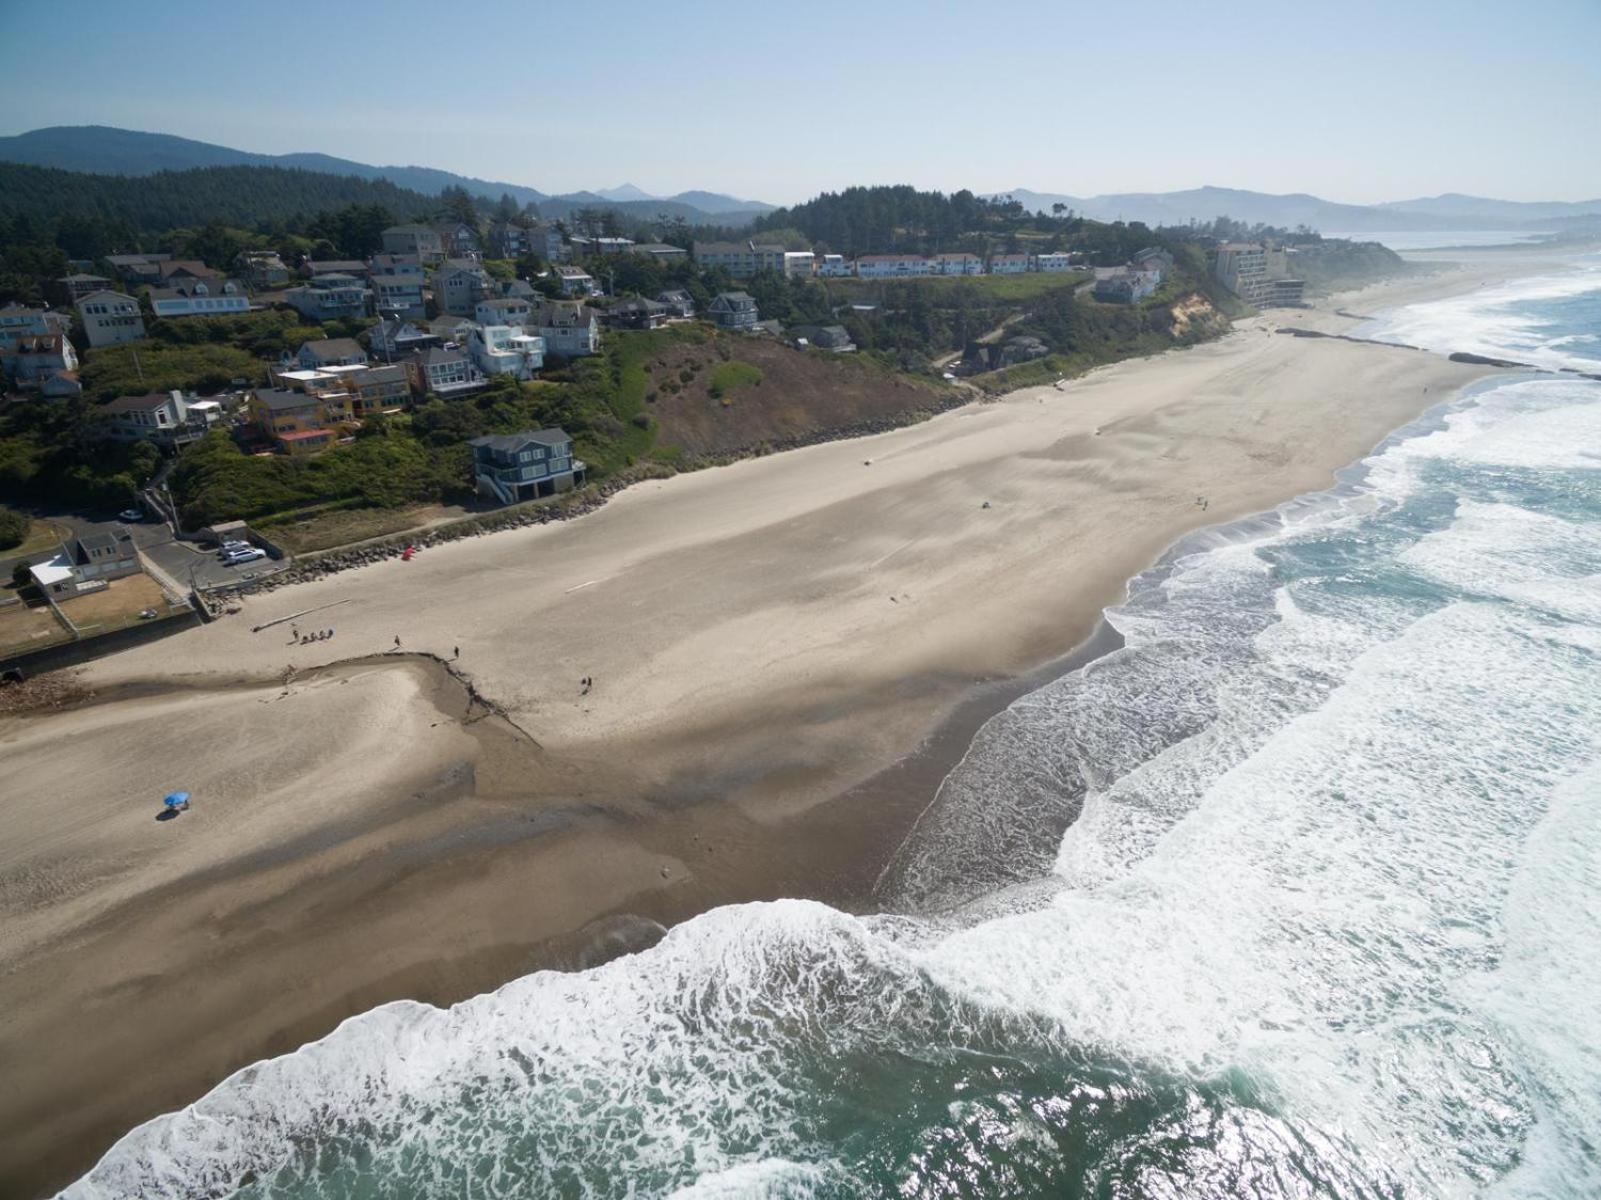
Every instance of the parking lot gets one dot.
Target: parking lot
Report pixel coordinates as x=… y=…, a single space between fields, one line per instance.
x=188 y=565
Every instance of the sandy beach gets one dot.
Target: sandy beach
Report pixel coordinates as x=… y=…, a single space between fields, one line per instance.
x=771 y=644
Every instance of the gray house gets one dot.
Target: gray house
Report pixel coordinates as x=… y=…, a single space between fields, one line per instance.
x=510 y=467
x=459 y=285
x=733 y=310
x=825 y=337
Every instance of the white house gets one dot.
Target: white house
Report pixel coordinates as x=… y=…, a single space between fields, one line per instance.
x=199 y=297
x=1008 y=264
x=1053 y=261
x=955 y=264
x=570 y=330
x=331 y=352
x=30 y=361
x=575 y=281
x=168 y=419
x=505 y=310
x=834 y=266
x=506 y=350
x=891 y=266
x=799 y=264
x=110 y=318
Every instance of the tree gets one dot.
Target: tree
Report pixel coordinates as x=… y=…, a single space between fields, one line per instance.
x=456 y=204
x=13 y=528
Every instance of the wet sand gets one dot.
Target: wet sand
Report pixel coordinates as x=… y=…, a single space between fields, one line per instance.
x=788 y=652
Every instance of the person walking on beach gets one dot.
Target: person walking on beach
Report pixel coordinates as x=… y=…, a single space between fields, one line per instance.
x=455 y=653
x=397 y=641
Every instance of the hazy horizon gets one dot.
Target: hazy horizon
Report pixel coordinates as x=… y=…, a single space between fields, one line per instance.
x=1352 y=102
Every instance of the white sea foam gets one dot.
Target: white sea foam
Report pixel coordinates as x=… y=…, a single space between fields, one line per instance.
x=1498 y=322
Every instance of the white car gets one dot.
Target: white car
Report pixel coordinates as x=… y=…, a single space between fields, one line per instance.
x=131 y=515
x=235 y=557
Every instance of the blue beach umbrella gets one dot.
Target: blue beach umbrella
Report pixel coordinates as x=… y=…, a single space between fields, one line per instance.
x=176 y=799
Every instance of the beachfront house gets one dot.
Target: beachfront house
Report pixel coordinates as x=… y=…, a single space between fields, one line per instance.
x=166 y=419
x=680 y=305
x=504 y=310
x=635 y=313
x=512 y=467
x=29 y=361
x=110 y=318
x=80 y=284
x=570 y=330
x=734 y=310
x=189 y=297
x=443 y=370
x=1053 y=262
x=261 y=268
x=330 y=297
x=399 y=295
x=1125 y=287
x=575 y=281
x=330 y=352
x=1008 y=264
x=824 y=337
x=891 y=266
x=955 y=264
x=420 y=240
x=297 y=422
x=18 y=321
x=390 y=338
x=506 y=350
x=460 y=285
x=1242 y=268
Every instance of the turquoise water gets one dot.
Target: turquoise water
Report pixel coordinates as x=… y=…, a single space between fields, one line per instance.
x=1298 y=894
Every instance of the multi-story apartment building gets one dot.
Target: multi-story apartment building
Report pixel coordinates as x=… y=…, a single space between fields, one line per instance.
x=329 y=297
x=1242 y=268
x=740 y=259
x=1008 y=264
x=891 y=266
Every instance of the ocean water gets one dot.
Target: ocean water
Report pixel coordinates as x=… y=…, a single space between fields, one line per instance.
x=1402 y=240
x=1298 y=894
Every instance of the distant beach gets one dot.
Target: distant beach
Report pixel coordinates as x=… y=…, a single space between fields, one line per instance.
x=787 y=653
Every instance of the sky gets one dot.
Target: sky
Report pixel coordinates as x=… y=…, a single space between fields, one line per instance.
x=1356 y=101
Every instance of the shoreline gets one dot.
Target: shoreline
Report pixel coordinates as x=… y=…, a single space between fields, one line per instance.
x=633 y=840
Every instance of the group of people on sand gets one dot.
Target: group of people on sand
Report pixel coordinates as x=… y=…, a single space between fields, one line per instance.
x=305 y=639
x=584 y=684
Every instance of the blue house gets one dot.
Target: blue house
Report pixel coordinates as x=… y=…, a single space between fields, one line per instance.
x=510 y=467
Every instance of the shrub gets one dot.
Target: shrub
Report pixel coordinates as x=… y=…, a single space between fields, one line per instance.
x=13 y=528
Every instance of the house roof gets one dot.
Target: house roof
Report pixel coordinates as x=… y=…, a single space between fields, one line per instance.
x=187 y=266
x=516 y=441
x=503 y=302
x=128 y=404
x=565 y=314
x=305 y=435
x=334 y=348
x=436 y=356
x=388 y=373
x=673 y=295
x=412 y=229
x=40 y=343
x=52 y=572
x=335 y=266
x=567 y=272
x=108 y=295
x=190 y=287
x=109 y=540
x=736 y=299
x=276 y=399
x=82 y=278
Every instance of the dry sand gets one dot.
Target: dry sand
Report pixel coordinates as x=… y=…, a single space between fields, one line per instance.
x=763 y=638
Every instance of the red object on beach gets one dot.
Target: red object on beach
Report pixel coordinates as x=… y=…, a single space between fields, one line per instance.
x=405 y=555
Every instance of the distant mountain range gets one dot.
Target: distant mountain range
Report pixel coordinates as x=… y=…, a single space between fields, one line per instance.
x=101 y=149
x=1450 y=211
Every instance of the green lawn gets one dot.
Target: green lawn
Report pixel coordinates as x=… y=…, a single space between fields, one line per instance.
x=732 y=375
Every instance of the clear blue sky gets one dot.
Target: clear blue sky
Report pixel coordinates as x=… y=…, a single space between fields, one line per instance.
x=1354 y=100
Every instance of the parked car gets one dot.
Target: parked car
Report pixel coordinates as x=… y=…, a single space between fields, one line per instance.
x=236 y=557
x=131 y=514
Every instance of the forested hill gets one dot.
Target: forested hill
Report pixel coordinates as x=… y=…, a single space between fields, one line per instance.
x=899 y=219
x=243 y=197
